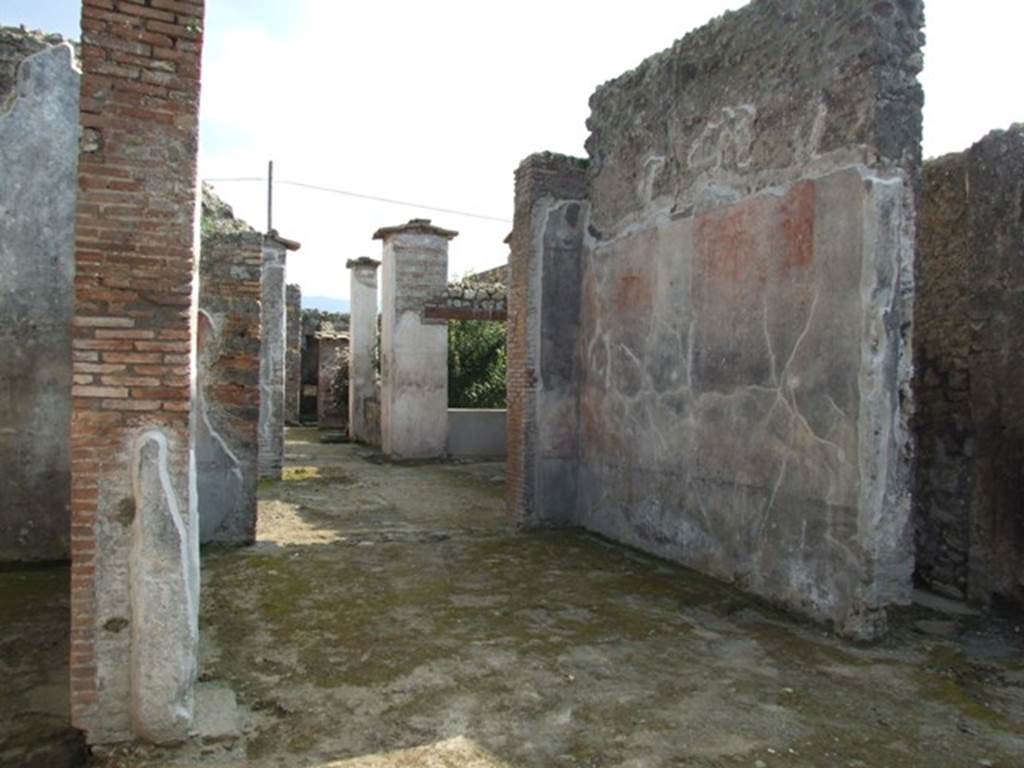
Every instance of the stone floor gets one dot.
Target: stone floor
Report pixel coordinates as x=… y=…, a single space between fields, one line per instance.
x=389 y=616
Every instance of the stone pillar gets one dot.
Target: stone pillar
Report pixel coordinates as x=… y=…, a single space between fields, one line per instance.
x=414 y=350
x=293 y=354
x=333 y=349
x=228 y=396
x=39 y=158
x=272 y=354
x=134 y=532
x=543 y=337
x=362 y=374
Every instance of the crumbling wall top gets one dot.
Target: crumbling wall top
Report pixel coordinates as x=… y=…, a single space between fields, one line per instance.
x=554 y=175
x=218 y=218
x=757 y=98
x=17 y=44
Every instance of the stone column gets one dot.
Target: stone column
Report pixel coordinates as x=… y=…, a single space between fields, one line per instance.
x=39 y=157
x=134 y=532
x=293 y=354
x=545 y=267
x=362 y=374
x=272 y=354
x=414 y=350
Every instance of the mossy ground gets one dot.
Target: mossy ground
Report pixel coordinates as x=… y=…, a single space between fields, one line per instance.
x=390 y=615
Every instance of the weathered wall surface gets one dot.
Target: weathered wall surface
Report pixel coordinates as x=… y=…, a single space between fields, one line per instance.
x=38 y=163
x=970 y=421
x=333 y=359
x=942 y=341
x=293 y=353
x=544 y=340
x=996 y=183
x=747 y=274
x=362 y=374
x=272 y=359
x=228 y=395
x=476 y=433
x=414 y=350
x=134 y=527
x=372 y=414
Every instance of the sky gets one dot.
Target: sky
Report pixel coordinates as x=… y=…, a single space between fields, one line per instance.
x=436 y=103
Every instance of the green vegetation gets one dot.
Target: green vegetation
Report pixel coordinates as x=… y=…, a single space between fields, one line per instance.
x=476 y=364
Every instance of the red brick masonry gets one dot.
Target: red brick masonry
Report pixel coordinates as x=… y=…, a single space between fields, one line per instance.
x=135 y=264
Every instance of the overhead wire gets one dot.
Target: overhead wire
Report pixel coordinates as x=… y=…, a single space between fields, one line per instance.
x=361 y=196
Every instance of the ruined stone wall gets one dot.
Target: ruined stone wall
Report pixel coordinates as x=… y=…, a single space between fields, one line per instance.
x=16 y=45
x=134 y=533
x=970 y=421
x=747 y=274
x=293 y=353
x=470 y=300
x=228 y=395
x=490 y=276
x=39 y=92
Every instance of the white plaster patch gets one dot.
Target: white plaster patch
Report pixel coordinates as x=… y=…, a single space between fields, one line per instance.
x=726 y=142
x=164 y=604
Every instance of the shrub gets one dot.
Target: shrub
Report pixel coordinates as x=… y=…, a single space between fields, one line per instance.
x=476 y=364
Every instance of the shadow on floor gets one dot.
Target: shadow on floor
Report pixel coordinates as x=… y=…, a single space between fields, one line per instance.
x=35 y=729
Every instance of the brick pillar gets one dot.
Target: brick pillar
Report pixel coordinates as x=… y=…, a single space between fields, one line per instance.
x=414 y=350
x=272 y=354
x=362 y=374
x=134 y=534
x=228 y=396
x=543 y=335
x=293 y=353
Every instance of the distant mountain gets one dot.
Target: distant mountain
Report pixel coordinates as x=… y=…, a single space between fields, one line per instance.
x=325 y=303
